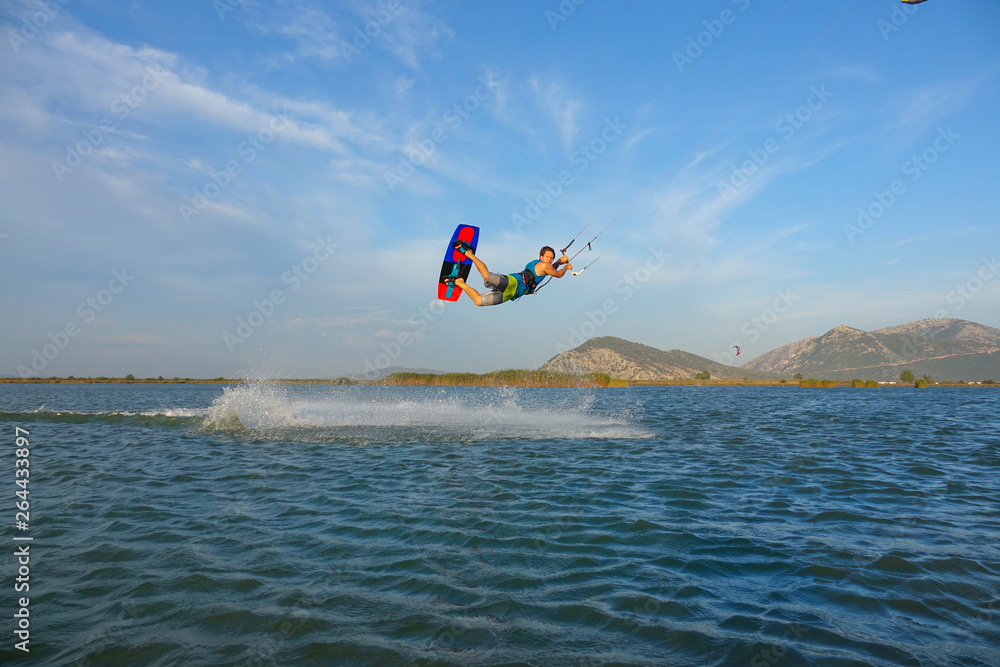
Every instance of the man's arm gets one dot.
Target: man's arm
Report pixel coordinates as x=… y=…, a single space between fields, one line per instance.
x=549 y=270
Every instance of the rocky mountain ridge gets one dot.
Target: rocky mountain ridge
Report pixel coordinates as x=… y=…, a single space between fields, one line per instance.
x=634 y=361
x=944 y=349
x=949 y=349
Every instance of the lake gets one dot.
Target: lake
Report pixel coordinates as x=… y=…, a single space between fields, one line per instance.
x=359 y=525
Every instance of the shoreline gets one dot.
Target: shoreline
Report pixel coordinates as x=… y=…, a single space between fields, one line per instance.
x=507 y=378
x=504 y=378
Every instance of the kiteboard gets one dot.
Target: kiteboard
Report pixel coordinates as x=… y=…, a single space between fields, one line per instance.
x=456 y=264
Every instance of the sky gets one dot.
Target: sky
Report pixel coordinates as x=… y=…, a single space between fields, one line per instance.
x=253 y=189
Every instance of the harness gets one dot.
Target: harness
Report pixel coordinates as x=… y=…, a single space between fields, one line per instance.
x=529 y=278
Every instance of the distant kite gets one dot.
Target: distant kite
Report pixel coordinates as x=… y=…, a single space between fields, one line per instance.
x=913 y=2
x=737 y=347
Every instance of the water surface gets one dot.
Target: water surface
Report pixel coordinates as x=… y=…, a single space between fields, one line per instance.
x=317 y=525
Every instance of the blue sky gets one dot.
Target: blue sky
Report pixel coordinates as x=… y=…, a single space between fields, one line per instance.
x=253 y=189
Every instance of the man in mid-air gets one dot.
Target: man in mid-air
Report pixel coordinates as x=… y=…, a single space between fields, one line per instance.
x=514 y=285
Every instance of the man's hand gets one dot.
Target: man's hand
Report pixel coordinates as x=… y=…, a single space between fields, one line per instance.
x=564 y=259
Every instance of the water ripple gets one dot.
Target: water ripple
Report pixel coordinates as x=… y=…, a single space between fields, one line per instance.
x=651 y=526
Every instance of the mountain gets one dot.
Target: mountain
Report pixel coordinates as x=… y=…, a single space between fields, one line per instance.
x=633 y=361
x=949 y=329
x=945 y=349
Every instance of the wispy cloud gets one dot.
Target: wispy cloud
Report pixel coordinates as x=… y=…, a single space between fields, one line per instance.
x=562 y=108
x=861 y=72
x=942 y=236
x=96 y=74
x=339 y=35
x=912 y=113
x=313 y=31
x=76 y=79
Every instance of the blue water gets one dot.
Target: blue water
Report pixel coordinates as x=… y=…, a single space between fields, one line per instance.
x=323 y=525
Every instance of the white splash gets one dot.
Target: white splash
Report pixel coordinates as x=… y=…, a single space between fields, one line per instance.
x=463 y=414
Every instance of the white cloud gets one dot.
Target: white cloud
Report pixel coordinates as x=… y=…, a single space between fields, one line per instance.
x=561 y=107
x=314 y=31
x=336 y=37
x=90 y=74
x=913 y=113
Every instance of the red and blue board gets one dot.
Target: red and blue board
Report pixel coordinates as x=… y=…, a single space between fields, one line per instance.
x=456 y=264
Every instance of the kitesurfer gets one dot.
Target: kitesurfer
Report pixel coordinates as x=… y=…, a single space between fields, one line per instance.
x=514 y=285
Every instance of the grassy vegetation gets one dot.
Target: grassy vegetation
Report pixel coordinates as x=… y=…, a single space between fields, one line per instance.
x=813 y=382
x=506 y=378
x=157 y=380
x=712 y=382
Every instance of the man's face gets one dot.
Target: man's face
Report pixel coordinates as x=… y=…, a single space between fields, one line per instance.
x=548 y=256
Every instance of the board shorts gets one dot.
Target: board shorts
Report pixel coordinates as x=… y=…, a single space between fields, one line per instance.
x=504 y=288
